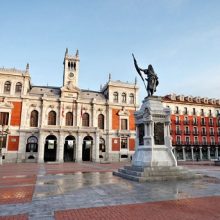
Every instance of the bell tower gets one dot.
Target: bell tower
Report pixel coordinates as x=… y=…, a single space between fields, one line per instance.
x=71 y=70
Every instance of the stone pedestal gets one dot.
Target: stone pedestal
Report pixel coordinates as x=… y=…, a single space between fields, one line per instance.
x=154 y=143
x=153 y=158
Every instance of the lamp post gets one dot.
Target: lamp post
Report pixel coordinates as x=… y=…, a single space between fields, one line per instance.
x=3 y=132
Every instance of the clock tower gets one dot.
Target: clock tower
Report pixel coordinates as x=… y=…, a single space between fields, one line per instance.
x=71 y=70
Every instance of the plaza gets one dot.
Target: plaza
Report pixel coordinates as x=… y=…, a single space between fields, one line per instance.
x=89 y=191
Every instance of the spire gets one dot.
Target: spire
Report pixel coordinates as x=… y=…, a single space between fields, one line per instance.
x=109 y=77
x=135 y=80
x=27 y=67
x=77 y=53
x=66 y=51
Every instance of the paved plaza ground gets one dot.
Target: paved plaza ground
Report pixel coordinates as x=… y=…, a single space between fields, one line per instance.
x=90 y=191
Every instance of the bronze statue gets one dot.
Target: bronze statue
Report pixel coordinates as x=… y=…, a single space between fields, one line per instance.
x=152 y=78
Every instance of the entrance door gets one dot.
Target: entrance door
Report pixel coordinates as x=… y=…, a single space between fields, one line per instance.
x=69 y=148
x=50 y=148
x=87 y=149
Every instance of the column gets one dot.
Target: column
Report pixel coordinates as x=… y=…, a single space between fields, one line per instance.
x=79 y=143
x=192 y=153
x=216 y=152
x=60 y=148
x=184 y=153
x=96 y=148
x=209 y=157
x=41 y=142
x=200 y=152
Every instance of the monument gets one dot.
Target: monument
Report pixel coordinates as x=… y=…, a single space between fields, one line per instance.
x=153 y=158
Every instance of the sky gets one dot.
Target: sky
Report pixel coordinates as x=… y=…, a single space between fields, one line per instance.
x=180 y=38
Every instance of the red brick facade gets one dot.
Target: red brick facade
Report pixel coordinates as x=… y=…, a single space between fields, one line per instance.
x=13 y=143
x=16 y=114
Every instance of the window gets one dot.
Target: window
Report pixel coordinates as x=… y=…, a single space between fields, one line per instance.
x=202 y=112
x=85 y=120
x=177 y=110
x=212 y=140
x=204 y=140
x=194 y=111
x=52 y=118
x=196 y=140
x=7 y=87
x=115 y=97
x=124 y=124
x=34 y=119
x=101 y=121
x=195 y=121
x=4 y=118
x=195 y=130
x=202 y=121
x=123 y=97
x=131 y=98
x=211 y=122
x=124 y=143
x=18 y=87
x=203 y=131
x=178 y=139
x=187 y=140
x=210 y=113
x=185 y=111
x=69 y=119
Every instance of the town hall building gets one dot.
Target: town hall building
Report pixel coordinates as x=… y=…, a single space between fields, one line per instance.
x=67 y=123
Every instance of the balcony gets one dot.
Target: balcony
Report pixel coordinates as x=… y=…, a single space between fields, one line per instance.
x=185 y=112
x=177 y=143
x=203 y=123
x=218 y=133
x=186 y=122
x=211 y=124
x=196 y=143
x=202 y=114
x=195 y=132
x=187 y=132
x=187 y=143
x=218 y=124
x=211 y=133
x=195 y=123
x=212 y=143
x=203 y=133
x=178 y=132
x=177 y=122
x=204 y=143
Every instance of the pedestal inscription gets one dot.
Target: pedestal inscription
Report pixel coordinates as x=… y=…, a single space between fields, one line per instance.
x=159 y=133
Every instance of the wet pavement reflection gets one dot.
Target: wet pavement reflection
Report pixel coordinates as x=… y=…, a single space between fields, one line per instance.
x=109 y=186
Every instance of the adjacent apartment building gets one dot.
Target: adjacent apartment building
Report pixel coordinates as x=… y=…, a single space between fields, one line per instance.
x=67 y=123
x=195 y=127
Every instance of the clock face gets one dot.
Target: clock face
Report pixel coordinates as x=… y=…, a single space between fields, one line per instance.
x=71 y=75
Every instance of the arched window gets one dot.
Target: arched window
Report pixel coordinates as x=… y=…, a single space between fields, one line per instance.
x=115 y=97
x=18 y=87
x=7 y=87
x=85 y=120
x=123 y=97
x=34 y=119
x=131 y=98
x=52 y=118
x=69 y=119
x=101 y=121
